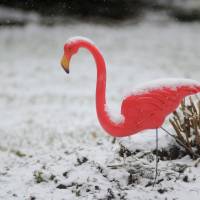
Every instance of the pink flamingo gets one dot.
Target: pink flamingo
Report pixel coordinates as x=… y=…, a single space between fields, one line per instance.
x=146 y=108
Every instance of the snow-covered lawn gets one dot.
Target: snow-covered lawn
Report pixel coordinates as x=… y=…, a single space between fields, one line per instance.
x=51 y=144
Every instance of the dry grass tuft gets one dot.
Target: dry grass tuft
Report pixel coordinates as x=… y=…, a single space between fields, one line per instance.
x=186 y=123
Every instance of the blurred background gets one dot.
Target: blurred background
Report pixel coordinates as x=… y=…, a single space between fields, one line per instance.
x=115 y=10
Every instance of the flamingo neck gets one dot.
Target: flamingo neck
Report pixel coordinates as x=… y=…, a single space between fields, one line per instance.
x=115 y=129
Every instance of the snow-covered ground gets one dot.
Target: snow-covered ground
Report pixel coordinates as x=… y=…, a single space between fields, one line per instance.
x=51 y=144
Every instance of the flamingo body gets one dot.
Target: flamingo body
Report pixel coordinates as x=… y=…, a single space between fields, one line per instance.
x=146 y=108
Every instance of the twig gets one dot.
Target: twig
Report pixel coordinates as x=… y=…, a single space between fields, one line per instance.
x=180 y=143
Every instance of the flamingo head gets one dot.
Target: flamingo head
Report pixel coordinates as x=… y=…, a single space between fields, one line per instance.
x=70 y=48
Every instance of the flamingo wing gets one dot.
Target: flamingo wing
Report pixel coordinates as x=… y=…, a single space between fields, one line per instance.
x=148 y=110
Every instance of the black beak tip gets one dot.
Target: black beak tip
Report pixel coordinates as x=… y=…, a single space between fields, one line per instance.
x=66 y=70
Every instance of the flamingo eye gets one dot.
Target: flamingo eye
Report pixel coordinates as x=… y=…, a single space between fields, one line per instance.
x=70 y=49
x=67 y=48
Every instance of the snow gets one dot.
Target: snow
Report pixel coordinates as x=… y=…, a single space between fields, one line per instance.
x=181 y=4
x=116 y=118
x=187 y=4
x=13 y=14
x=75 y=38
x=172 y=83
x=48 y=122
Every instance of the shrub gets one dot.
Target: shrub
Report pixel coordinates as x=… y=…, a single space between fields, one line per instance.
x=186 y=123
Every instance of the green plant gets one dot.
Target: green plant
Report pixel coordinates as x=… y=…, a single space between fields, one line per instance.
x=39 y=178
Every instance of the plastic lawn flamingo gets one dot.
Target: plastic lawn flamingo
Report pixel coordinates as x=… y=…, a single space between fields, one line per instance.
x=146 y=108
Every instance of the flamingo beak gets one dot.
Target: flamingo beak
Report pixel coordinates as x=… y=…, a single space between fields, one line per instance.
x=65 y=64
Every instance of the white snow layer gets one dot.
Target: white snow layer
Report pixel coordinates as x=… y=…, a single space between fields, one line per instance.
x=51 y=144
x=11 y=13
x=172 y=83
x=75 y=38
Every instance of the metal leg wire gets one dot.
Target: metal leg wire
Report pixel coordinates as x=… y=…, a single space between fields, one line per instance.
x=157 y=160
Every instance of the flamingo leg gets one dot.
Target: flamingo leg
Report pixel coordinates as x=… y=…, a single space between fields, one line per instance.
x=157 y=159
